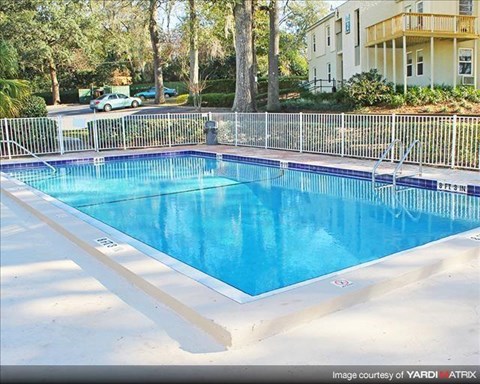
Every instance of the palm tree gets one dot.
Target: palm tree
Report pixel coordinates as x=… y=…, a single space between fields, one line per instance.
x=11 y=90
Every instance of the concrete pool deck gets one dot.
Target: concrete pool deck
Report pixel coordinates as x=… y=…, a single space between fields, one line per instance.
x=51 y=296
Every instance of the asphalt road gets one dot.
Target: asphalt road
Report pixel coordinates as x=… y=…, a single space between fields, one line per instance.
x=84 y=111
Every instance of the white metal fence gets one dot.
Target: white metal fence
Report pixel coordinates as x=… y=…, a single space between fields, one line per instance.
x=448 y=141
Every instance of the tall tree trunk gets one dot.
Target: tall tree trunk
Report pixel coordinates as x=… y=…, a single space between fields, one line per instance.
x=193 y=80
x=273 y=103
x=253 y=73
x=155 y=40
x=244 y=99
x=55 y=87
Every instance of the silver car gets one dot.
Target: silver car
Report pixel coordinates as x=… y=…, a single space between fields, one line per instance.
x=110 y=101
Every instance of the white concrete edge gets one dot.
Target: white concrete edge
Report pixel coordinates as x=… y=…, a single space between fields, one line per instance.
x=218 y=315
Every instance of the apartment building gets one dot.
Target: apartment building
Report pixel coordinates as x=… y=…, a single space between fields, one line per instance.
x=410 y=42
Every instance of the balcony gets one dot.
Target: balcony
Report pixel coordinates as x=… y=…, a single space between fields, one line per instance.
x=423 y=25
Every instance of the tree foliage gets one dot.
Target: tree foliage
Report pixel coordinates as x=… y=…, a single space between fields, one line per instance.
x=78 y=43
x=12 y=90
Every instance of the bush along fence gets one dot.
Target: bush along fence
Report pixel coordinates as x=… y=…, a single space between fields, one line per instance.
x=448 y=141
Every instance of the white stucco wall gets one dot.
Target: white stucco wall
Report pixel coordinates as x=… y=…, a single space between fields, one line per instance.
x=371 y=12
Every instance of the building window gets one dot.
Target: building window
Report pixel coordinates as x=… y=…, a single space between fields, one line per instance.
x=409 y=64
x=315 y=75
x=408 y=18
x=314 y=43
x=357 y=27
x=329 y=72
x=327 y=33
x=419 y=6
x=465 y=61
x=465 y=7
x=347 y=24
x=420 y=62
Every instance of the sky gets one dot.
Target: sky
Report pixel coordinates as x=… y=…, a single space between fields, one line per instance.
x=336 y=3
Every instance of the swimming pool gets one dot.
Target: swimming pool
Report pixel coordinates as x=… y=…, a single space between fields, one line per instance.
x=256 y=227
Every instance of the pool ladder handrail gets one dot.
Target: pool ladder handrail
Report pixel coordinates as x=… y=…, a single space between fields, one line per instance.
x=54 y=170
x=380 y=160
x=404 y=157
x=398 y=168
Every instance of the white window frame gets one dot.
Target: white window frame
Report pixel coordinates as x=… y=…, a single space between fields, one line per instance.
x=328 y=35
x=329 y=72
x=420 y=62
x=463 y=61
x=410 y=65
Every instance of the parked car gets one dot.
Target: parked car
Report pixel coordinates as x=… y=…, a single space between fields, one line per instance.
x=110 y=101
x=150 y=93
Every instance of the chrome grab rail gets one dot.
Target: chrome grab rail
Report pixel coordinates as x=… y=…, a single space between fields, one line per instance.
x=384 y=154
x=398 y=168
x=407 y=152
x=54 y=170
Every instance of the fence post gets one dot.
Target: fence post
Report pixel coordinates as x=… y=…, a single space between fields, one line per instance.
x=7 y=137
x=301 y=131
x=266 y=125
x=169 y=130
x=343 y=134
x=210 y=116
x=124 y=136
x=95 y=132
x=236 y=128
x=61 y=143
x=392 y=137
x=454 y=140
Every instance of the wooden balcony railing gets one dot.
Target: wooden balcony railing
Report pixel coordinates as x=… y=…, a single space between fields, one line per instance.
x=422 y=24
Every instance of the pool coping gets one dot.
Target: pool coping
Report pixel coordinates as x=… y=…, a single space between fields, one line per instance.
x=232 y=323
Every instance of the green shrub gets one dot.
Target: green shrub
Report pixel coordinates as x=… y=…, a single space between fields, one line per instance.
x=66 y=97
x=182 y=99
x=33 y=106
x=367 y=89
x=290 y=82
x=466 y=93
x=215 y=100
x=441 y=94
x=396 y=100
x=220 y=86
x=297 y=105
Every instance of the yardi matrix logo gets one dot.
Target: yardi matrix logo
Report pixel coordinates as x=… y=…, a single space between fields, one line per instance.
x=441 y=374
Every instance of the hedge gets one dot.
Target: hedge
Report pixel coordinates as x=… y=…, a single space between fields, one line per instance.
x=33 y=106
x=69 y=97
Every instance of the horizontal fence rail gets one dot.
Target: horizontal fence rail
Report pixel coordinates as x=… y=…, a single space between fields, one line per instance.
x=448 y=141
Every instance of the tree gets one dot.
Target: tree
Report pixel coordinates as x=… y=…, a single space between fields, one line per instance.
x=155 y=40
x=51 y=34
x=273 y=101
x=193 y=80
x=244 y=92
x=11 y=90
x=125 y=42
x=300 y=15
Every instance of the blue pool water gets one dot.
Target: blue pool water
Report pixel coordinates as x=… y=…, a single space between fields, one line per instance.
x=254 y=227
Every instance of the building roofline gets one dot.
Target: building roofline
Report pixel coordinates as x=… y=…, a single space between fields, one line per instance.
x=324 y=18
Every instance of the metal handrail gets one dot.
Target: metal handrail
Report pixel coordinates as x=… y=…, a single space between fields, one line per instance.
x=384 y=154
x=404 y=157
x=54 y=170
